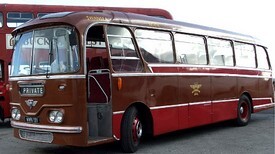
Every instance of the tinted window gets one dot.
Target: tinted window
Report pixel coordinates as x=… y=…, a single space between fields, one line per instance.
x=245 y=55
x=123 y=53
x=41 y=14
x=155 y=46
x=15 y=19
x=190 y=49
x=220 y=52
x=262 y=58
x=1 y=20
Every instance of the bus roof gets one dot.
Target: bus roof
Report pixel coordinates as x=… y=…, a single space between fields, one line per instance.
x=83 y=19
x=62 y=8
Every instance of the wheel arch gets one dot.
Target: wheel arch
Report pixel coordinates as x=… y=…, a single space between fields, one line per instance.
x=247 y=94
x=145 y=115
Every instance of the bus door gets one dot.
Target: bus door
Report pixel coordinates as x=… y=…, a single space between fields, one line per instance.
x=99 y=104
x=99 y=86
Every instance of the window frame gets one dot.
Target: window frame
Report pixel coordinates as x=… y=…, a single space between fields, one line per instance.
x=232 y=47
x=254 y=52
x=171 y=40
x=124 y=58
x=204 y=38
x=267 y=57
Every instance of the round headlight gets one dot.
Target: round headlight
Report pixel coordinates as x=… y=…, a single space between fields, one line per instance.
x=56 y=116
x=15 y=114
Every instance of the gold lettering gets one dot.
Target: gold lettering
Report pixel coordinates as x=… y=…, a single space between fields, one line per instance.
x=153 y=24
x=96 y=18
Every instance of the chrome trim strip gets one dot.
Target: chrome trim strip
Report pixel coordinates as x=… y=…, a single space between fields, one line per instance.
x=118 y=112
x=168 y=106
x=209 y=66
x=26 y=78
x=45 y=128
x=116 y=138
x=266 y=98
x=200 y=103
x=195 y=103
x=225 y=101
x=186 y=74
x=264 y=106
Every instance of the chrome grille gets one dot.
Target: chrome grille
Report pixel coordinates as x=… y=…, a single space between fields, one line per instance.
x=46 y=137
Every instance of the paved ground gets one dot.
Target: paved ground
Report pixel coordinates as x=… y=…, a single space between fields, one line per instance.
x=257 y=137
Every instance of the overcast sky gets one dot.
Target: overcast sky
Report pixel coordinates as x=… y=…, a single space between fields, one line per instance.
x=252 y=17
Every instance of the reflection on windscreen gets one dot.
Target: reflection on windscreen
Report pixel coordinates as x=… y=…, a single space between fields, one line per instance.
x=1 y=20
x=45 y=51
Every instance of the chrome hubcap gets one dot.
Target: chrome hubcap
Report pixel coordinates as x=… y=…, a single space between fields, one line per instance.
x=137 y=129
x=241 y=110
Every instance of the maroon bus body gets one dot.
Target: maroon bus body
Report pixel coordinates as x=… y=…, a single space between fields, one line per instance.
x=164 y=97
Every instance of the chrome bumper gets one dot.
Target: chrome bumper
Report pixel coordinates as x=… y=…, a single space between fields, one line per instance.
x=264 y=106
x=46 y=128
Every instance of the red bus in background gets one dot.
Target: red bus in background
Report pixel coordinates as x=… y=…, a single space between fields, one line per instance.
x=13 y=15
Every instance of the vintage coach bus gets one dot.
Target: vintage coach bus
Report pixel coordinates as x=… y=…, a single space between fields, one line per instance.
x=87 y=78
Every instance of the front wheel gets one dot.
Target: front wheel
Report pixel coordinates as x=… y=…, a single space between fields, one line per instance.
x=131 y=131
x=244 y=111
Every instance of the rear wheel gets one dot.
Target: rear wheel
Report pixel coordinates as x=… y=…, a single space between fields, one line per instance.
x=244 y=111
x=131 y=131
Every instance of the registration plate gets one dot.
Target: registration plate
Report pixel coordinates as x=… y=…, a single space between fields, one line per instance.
x=46 y=137
x=32 y=119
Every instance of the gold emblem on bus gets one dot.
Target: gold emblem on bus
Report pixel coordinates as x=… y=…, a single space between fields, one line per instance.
x=196 y=88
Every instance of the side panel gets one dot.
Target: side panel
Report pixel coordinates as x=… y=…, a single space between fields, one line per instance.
x=194 y=89
x=162 y=92
x=266 y=92
x=224 y=94
x=133 y=90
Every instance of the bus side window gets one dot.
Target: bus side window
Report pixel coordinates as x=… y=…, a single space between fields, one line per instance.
x=245 y=55
x=262 y=58
x=220 y=52
x=123 y=52
x=15 y=19
x=190 y=49
x=156 y=46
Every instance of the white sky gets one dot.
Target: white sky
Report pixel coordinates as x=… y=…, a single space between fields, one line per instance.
x=252 y=17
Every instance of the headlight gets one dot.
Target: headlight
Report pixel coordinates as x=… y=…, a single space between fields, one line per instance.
x=15 y=114
x=56 y=116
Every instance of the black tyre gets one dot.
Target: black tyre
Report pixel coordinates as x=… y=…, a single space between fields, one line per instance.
x=1 y=114
x=131 y=130
x=244 y=111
